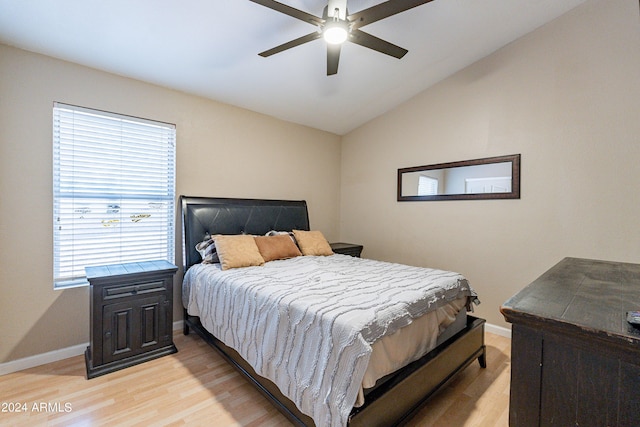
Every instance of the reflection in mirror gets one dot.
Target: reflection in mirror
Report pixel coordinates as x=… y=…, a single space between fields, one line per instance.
x=493 y=178
x=490 y=178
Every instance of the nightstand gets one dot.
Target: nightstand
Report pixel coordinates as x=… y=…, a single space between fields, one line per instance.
x=346 y=249
x=131 y=315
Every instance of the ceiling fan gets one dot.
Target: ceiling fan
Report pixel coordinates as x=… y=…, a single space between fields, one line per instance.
x=337 y=26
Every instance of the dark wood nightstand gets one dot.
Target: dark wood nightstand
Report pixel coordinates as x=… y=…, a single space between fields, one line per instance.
x=346 y=249
x=131 y=315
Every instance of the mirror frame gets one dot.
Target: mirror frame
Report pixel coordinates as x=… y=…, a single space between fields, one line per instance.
x=515 y=180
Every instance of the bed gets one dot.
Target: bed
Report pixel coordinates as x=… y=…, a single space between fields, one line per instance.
x=389 y=398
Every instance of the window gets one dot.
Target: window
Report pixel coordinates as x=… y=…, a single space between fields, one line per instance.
x=113 y=191
x=427 y=186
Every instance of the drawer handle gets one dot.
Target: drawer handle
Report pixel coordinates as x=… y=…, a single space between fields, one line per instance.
x=107 y=334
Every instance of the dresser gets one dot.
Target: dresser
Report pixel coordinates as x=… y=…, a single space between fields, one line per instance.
x=131 y=315
x=575 y=360
x=346 y=249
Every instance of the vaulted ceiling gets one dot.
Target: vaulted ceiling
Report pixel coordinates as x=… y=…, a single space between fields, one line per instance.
x=210 y=48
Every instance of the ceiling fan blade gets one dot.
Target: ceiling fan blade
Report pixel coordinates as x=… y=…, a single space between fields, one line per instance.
x=377 y=44
x=293 y=12
x=333 y=57
x=293 y=43
x=382 y=10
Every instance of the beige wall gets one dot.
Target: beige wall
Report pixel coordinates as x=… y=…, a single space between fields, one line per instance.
x=567 y=97
x=221 y=151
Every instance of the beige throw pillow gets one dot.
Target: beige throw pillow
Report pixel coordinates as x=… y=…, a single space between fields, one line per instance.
x=312 y=242
x=276 y=247
x=237 y=251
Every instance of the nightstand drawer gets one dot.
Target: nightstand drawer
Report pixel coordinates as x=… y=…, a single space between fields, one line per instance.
x=113 y=292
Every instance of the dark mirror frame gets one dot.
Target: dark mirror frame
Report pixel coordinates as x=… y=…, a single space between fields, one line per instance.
x=515 y=180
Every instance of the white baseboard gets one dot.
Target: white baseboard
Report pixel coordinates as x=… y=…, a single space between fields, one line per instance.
x=53 y=356
x=42 y=359
x=498 y=330
x=77 y=350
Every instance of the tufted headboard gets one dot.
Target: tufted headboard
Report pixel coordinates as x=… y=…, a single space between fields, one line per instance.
x=203 y=216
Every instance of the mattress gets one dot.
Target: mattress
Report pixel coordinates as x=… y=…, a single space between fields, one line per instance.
x=410 y=343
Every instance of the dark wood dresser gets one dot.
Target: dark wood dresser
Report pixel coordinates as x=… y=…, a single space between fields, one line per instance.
x=131 y=315
x=346 y=249
x=575 y=360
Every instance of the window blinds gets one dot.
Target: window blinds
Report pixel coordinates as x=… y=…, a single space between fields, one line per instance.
x=113 y=190
x=427 y=186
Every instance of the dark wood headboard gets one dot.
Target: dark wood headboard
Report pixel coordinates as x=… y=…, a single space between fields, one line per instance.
x=204 y=216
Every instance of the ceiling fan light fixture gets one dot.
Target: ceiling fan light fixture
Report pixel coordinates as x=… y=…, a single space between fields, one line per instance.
x=335 y=32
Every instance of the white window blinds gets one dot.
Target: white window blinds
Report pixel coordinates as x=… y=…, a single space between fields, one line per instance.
x=113 y=191
x=427 y=186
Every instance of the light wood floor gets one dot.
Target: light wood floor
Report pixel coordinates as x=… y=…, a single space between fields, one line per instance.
x=197 y=387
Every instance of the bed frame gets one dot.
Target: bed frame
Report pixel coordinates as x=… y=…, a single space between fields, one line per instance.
x=402 y=393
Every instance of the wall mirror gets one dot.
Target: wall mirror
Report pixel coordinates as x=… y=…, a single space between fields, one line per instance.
x=489 y=178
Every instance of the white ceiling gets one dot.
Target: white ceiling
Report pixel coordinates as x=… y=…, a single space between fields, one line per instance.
x=210 y=48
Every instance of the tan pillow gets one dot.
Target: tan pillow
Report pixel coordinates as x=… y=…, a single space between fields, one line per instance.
x=276 y=247
x=237 y=251
x=312 y=243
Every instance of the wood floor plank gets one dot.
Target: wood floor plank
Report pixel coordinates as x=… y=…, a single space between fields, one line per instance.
x=197 y=387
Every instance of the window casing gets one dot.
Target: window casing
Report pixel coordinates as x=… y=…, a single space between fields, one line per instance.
x=113 y=191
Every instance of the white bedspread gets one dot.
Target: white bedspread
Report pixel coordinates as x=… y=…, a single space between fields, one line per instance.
x=307 y=323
